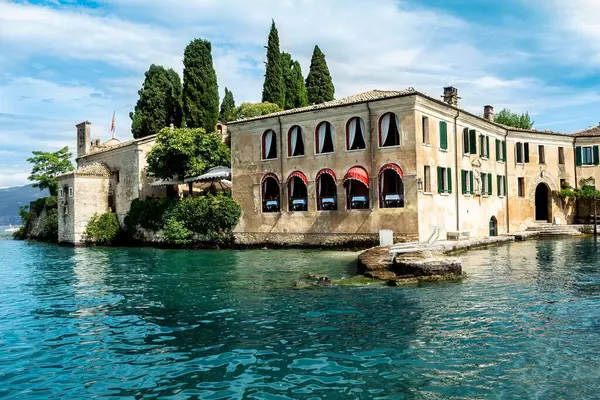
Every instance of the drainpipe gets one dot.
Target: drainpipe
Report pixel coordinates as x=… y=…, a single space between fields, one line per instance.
x=456 y=168
x=575 y=169
x=371 y=203
x=506 y=186
x=284 y=184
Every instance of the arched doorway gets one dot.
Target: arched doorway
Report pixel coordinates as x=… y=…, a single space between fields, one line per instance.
x=542 y=202
x=493 y=226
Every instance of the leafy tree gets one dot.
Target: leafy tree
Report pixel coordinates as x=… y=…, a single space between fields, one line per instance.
x=249 y=110
x=295 y=89
x=200 y=88
x=274 y=87
x=516 y=120
x=48 y=166
x=102 y=229
x=159 y=103
x=186 y=152
x=227 y=107
x=319 y=84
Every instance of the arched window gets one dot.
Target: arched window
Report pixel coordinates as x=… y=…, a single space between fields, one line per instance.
x=270 y=193
x=298 y=191
x=295 y=142
x=324 y=138
x=389 y=130
x=269 y=145
x=326 y=190
x=355 y=134
x=391 y=186
x=356 y=183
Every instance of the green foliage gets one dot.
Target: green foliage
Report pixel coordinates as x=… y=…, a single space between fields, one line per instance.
x=249 y=110
x=159 y=103
x=102 y=229
x=47 y=166
x=274 y=86
x=147 y=213
x=295 y=89
x=227 y=107
x=186 y=152
x=24 y=214
x=506 y=117
x=177 y=233
x=200 y=88
x=585 y=191
x=319 y=84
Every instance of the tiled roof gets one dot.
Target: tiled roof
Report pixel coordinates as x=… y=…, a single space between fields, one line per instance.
x=532 y=130
x=592 y=131
x=94 y=169
x=355 y=99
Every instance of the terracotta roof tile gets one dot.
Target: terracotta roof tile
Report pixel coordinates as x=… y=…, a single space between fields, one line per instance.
x=592 y=131
x=94 y=169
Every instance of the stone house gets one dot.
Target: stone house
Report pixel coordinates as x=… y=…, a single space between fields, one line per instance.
x=340 y=171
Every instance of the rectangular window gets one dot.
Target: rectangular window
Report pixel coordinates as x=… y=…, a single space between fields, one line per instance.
x=563 y=184
x=425 y=122
x=427 y=179
x=498 y=150
x=522 y=152
x=501 y=185
x=466 y=141
x=486 y=184
x=70 y=192
x=60 y=193
x=526 y=152
x=472 y=141
x=587 y=155
x=484 y=146
x=466 y=178
x=504 y=150
x=521 y=187
x=541 y=155
x=444 y=180
x=561 y=156
x=443 y=135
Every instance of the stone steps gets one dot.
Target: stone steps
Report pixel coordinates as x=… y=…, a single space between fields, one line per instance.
x=547 y=229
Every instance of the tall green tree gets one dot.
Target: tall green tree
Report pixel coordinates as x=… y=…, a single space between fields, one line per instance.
x=516 y=120
x=47 y=166
x=200 y=89
x=319 y=84
x=227 y=107
x=159 y=103
x=186 y=152
x=295 y=89
x=249 y=110
x=274 y=87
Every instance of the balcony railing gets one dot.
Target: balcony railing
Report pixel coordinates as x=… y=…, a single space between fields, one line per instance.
x=327 y=203
x=298 y=204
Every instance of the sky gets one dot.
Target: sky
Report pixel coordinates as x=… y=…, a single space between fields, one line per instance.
x=66 y=61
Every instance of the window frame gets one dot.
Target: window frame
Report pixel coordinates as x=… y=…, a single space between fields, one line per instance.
x=263 y=146
x=348 y=144
x=541 y=154
x=521 y=187
x=331 y=133
x=289 y=142
x=380 y=136
x=425 y=133
x=427 y=179
x=262 y=193
x=561 y=155
x=584 y=151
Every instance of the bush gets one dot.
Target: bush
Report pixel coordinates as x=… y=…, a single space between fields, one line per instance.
x=149 y=214
x=49 y=230
x=102 y=229
x=177 y=233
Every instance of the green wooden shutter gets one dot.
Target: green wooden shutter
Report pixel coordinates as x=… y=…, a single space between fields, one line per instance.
x=498 y=151
x=463 y=181
x=473 y=141
x=490 y=184
x=519 y=150
x=578 y=155
x=443 y=135
x=481 y=146
x=596 y=161
x=498 y=184
x=449 y=179
x=466 y=141
x=504 y=193
x=504 y=150
x=526 y=151
x=471 y=178
x=440 y=181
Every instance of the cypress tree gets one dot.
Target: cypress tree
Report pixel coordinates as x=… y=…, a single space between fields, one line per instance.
x=273 y=87
x=200 y=89
x=295 y=89
x=227 y=107
x=318 y=82
x=159 y=102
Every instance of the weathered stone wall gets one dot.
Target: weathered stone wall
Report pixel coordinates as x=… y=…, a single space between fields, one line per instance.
x=313 y=239
x=66 y=214
x=90 y=197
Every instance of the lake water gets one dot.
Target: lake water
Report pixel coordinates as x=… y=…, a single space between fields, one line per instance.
x=148 y=323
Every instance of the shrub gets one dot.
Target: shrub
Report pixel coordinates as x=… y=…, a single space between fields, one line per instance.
x=177 y=233
x=49 y=226
x=102 y=229
x=149 y=214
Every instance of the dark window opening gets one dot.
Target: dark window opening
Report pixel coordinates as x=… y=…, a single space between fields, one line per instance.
x=521 y=187
x=357 y=194
x=327 y=193
x=269 y=145
x=355 y=135
x=295 y=142
x=298 y=194
x=324 y=140
x=561 y=156
x=389 y=132
x=391 y=189
x=270 y=195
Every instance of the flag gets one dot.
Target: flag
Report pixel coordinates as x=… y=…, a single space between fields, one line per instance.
x=112 y=125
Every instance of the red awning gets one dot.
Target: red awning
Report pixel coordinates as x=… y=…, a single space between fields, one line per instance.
x=300 y=175
x=358 y=174
x=393 y=166
x=326 y=171
x=269 y=175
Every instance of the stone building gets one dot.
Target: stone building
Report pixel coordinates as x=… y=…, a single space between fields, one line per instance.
x=341 y=171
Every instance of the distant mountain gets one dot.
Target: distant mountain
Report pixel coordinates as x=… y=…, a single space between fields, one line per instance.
x=14 y=197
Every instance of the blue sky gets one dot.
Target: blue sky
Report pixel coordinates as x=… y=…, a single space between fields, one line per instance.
x=65 y=61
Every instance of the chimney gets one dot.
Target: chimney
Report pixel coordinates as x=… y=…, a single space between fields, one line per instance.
x=97 y=142
x=451 y=95
x=84 y=143
x=488 y=113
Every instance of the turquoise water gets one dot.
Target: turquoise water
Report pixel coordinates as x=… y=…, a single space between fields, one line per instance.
x=147 y=323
